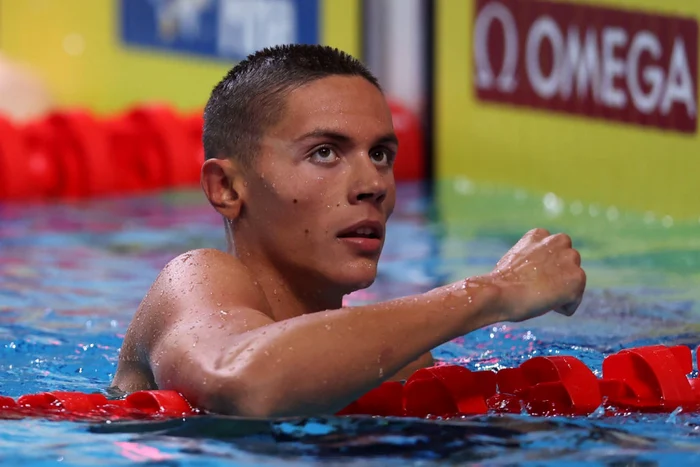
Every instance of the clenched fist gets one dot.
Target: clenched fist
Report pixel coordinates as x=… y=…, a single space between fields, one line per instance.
x=542 y=272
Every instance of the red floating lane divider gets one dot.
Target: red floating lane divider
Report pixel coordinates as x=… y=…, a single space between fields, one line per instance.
x=76 y=405
x=167 y=403
x=84 y=145
x=164 y=142
x=656 y=377
x=75 y=154
x=644 y=379
x=564 y=380
x=7 y=402
x=11 y=164
x=384 y=400
x=410 y=163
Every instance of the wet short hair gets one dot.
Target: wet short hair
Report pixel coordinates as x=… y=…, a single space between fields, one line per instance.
x=251 y=97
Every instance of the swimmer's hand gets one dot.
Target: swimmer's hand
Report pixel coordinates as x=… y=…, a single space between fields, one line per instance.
x=541 y=273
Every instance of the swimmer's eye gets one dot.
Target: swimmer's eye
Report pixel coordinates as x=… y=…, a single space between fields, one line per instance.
x=324 y=155
x=382 y=156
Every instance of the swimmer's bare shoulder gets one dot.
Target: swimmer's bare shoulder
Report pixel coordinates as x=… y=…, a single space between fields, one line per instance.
x=199 y=301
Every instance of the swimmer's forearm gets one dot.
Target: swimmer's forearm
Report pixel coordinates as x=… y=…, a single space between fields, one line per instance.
x=318 y=364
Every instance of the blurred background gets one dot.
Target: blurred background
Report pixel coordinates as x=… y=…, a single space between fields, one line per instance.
x=590 y=103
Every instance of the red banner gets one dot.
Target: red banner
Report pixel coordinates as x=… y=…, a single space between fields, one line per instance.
x=614 y=64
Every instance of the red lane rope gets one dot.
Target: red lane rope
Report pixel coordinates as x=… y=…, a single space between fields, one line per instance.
x=652 y=379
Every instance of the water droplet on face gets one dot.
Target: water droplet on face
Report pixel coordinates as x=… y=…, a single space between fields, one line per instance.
x=381 y=372
x=328 y=327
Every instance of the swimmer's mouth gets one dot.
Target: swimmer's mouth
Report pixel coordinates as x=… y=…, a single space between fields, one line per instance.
x=367 y=229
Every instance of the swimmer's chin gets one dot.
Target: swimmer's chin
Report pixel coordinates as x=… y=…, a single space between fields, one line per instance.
x=358 y=285
x=354 y=277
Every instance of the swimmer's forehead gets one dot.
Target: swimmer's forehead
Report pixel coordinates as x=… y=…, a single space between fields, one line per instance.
x=341 y=108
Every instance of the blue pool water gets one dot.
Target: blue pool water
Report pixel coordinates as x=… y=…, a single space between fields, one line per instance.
x=71 y=276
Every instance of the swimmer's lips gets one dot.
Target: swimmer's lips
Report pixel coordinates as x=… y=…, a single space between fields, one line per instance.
x=365 y=237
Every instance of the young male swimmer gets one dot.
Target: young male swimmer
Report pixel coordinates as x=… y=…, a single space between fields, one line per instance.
x=300 y=146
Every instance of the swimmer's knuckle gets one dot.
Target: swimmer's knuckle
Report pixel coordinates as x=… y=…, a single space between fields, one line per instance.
x=574 y=255
x=538 y=232
x=561 y=239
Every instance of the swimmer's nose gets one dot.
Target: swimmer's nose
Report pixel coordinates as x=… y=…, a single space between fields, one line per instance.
x=370 y=185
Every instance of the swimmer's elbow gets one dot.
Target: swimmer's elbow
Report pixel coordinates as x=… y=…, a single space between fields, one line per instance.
x=240 y=392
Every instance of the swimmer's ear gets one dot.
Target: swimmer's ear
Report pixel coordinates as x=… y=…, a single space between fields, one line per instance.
x=223 y=184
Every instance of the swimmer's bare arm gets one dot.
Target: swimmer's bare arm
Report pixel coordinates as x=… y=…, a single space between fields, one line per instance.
x=227 y=356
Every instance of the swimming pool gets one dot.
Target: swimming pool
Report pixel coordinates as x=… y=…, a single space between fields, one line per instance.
x=71 y=276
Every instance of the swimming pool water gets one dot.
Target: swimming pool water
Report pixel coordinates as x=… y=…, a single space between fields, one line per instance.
x=72 y=274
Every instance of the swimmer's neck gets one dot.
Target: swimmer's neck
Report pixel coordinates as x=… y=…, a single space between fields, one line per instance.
x=289 y=295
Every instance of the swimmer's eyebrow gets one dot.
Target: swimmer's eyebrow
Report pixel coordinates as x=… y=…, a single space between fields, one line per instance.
x=321 y=133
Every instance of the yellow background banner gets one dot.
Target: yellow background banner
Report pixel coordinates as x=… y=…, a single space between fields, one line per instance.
x=75 y=46
x=574 y=157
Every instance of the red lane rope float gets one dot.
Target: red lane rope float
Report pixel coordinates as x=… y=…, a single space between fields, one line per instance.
x=650 y=379
x=62 y=405
x=76 y=154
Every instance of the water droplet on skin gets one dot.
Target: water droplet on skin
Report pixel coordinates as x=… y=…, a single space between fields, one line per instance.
x=381 y=372
x=328 y=327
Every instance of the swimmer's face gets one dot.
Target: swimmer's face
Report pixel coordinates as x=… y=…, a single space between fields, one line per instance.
x=322 y=187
